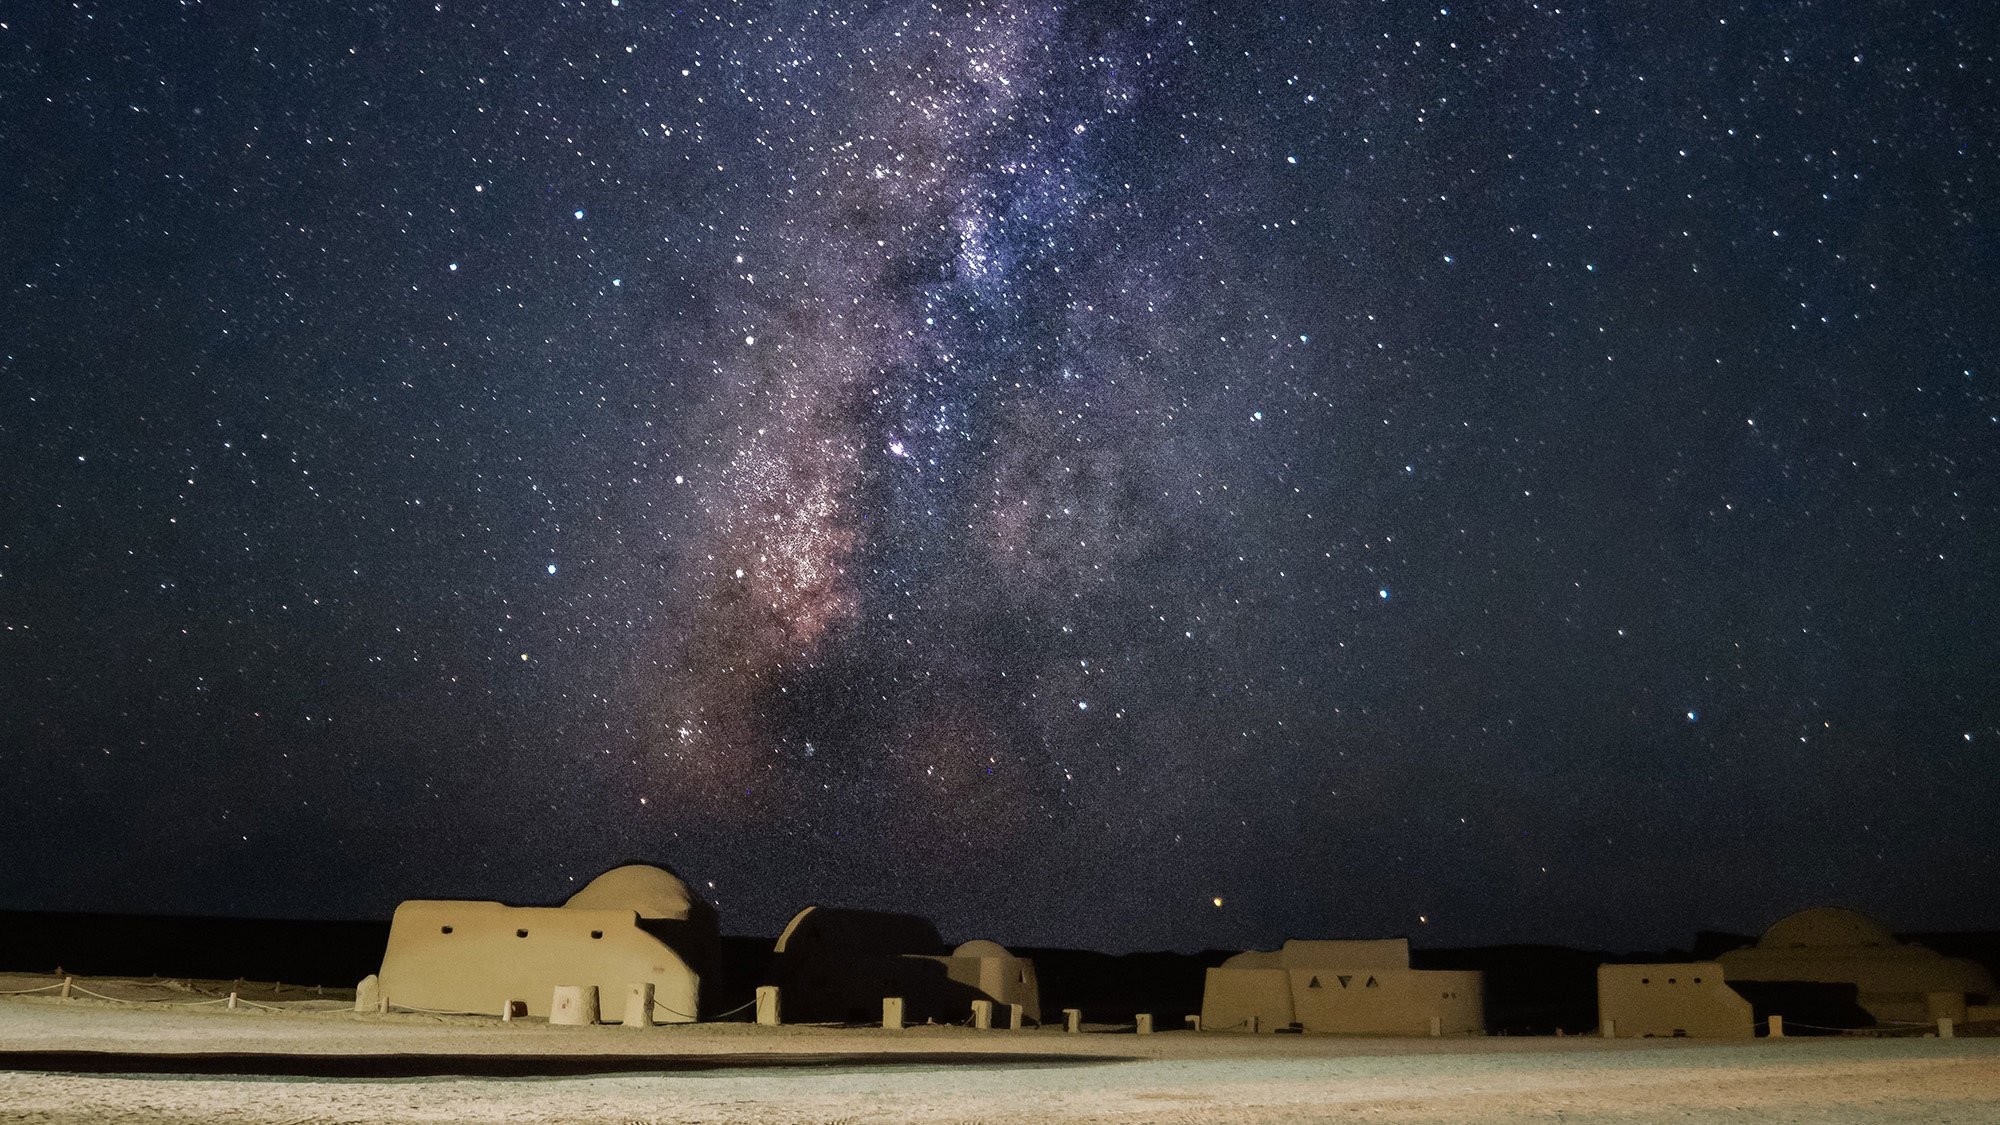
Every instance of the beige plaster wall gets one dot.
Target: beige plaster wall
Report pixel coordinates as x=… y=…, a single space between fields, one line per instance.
x=1671 y=998
x=484 y=960
x=1365 y=1001
x=1350 y=1000
x=1230 y=997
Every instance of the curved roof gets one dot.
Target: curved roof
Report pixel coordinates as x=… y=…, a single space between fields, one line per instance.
x=980 y=947
x=648 y=891
x=841 y=931
x=1825 y=926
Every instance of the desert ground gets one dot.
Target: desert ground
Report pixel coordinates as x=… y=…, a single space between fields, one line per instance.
x=825 y=1074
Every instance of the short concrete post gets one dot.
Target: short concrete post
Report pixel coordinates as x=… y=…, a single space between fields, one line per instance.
x=892 y=1012
x=1437 y=1026
x=1777 y=1026
x=1017 y=1017
x=1945 y=1028
x=573 y=1005
x=1193 y=1022
x=767 y=1005
x=1609 y=1029
x=1073 y=1020
x=68 y=982
x=982 y=1015
x=511 y=1010
x=368 y=994
x=1144 y=1022
x=232 y=1001
x=638 y=1005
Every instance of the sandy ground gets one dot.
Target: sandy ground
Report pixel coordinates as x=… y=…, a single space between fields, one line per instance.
x=1170 y=1077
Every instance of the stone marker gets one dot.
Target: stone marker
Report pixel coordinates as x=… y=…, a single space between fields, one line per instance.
x=368 y=994
x=1016 y=1017
x=767 y=1005
x=892 y=1012
x=573 y=1005
x=1144 y=1020
x=1073 y=1020
x=638 y=1005
x=982 y=1015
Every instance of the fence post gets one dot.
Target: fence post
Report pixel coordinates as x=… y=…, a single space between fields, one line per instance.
x=1777 y=1026
x=892 y=1012
x=639 y=1005
x=767 y=1005
x=1073 y=1020
x=1144 y=1022
x=1016 y=1017
x=982 y=1015
x=67 y=982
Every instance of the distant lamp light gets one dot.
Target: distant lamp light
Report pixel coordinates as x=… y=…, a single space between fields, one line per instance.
x=1217 y=900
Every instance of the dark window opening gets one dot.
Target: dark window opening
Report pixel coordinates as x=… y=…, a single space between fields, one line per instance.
x=444 y=929
x=596 y=934
x=520 y=933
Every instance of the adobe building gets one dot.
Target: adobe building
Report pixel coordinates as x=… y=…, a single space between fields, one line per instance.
x=1670 y=1000
x=1341 y=987
x=835 y=965
x=631 y=925
x=1893 y=981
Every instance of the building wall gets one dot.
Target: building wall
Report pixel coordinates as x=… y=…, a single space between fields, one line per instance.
x=1667 y=999
x=1375 y=1001
x=1344 y=1000
x=475 y=956
x=1232 y=996
x=1373 y=953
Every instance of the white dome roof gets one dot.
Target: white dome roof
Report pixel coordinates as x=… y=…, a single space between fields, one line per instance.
x=641 y=888
x=1825 y=926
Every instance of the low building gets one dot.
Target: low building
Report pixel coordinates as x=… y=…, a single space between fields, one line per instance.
x=835 y=965
x=1671 y=999
x=1341 y=987
x=632 y=925
x=1893 y=981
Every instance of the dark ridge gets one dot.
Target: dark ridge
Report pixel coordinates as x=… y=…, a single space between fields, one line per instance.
x=328 y=953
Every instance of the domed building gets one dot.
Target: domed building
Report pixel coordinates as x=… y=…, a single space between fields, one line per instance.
x=1893 y=981
x=834 y=964
x=632 y=925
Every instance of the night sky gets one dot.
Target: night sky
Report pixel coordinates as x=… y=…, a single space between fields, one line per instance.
x=1500 y=472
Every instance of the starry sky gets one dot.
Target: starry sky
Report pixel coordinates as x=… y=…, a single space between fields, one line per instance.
x=1119 y=475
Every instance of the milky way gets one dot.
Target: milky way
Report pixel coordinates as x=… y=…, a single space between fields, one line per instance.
x=943 y=415
x=1129 y=475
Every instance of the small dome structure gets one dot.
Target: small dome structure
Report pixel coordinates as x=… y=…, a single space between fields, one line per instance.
x=652 y=893
x=980 y=947
x=1827 y=927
